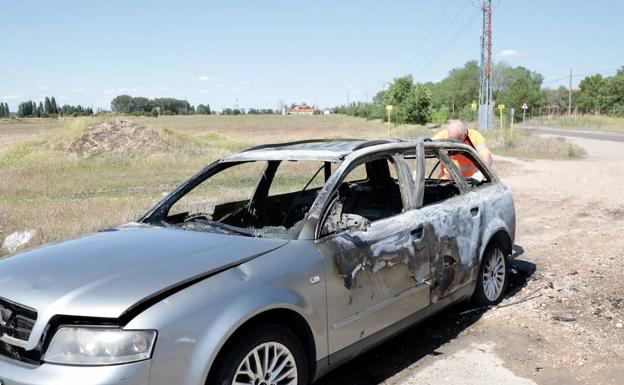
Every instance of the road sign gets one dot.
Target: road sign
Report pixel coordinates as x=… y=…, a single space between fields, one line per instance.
x=525 y=107
x=501 y=107
x=389 y=107
x=473 y=105
x=513 y=111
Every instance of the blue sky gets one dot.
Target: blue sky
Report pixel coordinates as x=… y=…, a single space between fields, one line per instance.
x=261 y=52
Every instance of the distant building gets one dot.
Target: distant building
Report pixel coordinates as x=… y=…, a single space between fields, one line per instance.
x=301 y=109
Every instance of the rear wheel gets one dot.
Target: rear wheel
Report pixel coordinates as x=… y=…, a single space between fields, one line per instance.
x=263 y=355
x=493 y=276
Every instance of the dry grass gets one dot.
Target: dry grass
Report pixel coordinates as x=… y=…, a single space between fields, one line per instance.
x=63 y=193
x=529 y=146
x=581 y=122
x=13 y=131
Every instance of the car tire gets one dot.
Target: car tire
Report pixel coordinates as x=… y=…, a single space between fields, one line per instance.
x=493 y=277
x=276 y=346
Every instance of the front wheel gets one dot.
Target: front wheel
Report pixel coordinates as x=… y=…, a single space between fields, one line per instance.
x=493 y=277
x=266 y=355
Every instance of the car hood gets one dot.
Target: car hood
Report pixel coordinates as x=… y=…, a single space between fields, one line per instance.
x=106 y=273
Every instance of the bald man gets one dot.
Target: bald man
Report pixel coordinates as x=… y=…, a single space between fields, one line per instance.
x=458 y=130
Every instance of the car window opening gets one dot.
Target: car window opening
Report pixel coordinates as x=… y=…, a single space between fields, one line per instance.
x=254 y=198
x=370 y=192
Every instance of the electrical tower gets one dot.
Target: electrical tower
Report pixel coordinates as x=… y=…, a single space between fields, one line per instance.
x=485 y=116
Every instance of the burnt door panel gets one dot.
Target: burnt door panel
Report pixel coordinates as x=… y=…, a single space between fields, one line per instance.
x=455 y=225
x=375 y=277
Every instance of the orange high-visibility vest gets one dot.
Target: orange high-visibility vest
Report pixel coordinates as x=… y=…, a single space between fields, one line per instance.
x=465 y=165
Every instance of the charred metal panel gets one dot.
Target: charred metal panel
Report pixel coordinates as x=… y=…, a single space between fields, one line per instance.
x=455 y=228
x=375 y=277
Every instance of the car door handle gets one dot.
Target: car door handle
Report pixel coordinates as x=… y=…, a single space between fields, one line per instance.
x=474 y=211
x=417 y=232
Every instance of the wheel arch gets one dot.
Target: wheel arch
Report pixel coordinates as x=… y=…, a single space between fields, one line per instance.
x=280 y=316
x=500 y=236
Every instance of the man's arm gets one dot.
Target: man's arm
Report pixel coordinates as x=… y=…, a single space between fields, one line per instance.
x=486 y=155
x=479 y=143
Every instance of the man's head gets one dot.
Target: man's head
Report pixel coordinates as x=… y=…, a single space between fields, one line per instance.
x=457 y=130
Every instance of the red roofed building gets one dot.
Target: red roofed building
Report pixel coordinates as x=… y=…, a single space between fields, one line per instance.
x=301 y=109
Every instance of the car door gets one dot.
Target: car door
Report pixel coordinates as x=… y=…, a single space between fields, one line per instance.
x=455 y=221
x=376 y=273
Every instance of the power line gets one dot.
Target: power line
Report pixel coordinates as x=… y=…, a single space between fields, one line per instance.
x=606 y=73
x=449 y=44
x=450 y=24
x=428 y=35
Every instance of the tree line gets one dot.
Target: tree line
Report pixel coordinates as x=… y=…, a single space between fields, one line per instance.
x=49 y=108
x=453 y=97
x=4 y=110
x=137 y=105
x=602 y=95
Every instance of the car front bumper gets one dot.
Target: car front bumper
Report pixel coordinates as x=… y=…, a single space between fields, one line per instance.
x=15 y=373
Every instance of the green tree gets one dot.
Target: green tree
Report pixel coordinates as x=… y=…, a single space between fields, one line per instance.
x=514 y=86
x=47 y=106
x=203 y=109
x=614 y=100
x=412 y=103
x=396 y=96
x=417 y=105
x=458 y=90
x=54 y=106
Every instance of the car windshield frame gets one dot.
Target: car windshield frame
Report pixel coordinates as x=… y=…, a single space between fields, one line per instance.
x=158 y=214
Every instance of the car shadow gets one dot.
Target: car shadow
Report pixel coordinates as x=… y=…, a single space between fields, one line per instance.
x=396 y=354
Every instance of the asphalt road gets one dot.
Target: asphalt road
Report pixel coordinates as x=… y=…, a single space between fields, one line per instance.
x=598 y=135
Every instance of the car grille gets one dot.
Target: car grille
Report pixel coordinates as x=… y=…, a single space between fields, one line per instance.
x=17 y=322
x=32 y=357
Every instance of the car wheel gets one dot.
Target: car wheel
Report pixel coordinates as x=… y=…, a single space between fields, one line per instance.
x=493 y=276
x=264 y=355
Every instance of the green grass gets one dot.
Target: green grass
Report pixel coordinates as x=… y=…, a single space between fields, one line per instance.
x=63 y=194
x=581 y=122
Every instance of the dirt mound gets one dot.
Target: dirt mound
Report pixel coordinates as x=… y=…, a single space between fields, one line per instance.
x=117 y=137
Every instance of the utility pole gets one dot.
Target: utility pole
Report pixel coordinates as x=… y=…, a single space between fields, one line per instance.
x=570 y=95
x=485 y=116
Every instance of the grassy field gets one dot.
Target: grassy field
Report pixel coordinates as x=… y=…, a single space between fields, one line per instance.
x=55 y=182
x=13 y=131
x=584 y=122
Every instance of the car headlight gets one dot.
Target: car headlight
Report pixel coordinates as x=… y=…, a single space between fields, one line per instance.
x=99 y=346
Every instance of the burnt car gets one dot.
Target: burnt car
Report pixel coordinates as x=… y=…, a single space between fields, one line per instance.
x=270 y=266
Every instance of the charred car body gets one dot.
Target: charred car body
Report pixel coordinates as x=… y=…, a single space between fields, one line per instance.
x=271 y=266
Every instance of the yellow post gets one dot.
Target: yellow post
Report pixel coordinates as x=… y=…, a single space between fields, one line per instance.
x=473 y=107
x=511 y=126
x=389 y=109
x=513 y=112
x=501 y=107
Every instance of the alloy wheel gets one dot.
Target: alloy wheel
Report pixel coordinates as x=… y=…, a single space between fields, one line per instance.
x=270 y=363
x=494 y=271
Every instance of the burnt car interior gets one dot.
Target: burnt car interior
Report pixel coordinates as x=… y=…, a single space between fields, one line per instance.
x=369 y=192
x=272 y=198
x=279 y=201
x=267 y=210
x=438 y=186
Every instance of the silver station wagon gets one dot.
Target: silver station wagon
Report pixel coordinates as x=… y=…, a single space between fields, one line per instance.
x=271 y=266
